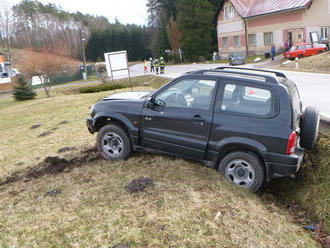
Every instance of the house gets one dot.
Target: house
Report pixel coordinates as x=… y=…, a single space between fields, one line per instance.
x=5 y=74
x=252 y=26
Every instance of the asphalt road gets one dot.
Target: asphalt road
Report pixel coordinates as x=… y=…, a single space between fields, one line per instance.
x=314 y=88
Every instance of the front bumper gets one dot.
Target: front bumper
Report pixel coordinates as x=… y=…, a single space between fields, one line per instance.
x=90 y=122
x=279 y=165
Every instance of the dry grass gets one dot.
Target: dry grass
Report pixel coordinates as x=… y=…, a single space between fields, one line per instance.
x=317 y=63
x=189 y=205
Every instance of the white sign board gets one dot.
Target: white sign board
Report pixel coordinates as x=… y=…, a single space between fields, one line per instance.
x=116 y=61
x=5 y=80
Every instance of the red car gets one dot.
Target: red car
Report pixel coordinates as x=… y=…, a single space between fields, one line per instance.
x=303 y=50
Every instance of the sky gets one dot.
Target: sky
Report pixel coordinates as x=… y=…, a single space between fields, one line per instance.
x=127 y=11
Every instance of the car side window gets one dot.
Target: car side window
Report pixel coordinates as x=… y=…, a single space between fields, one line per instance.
x=188 y=93
x=246 y=100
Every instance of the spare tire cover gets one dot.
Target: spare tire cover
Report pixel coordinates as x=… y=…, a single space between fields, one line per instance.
x=309 y=127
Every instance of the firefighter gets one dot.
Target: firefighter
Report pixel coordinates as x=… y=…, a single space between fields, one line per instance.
x=152 y=65
x=162 y=65
x=145 y=67
x=157 y=66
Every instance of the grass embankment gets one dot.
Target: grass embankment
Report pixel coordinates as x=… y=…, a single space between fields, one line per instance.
x=318 y=63
x=188 y=206
x=310 y=188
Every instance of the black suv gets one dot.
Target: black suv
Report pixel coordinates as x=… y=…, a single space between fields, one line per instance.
x=246 y=123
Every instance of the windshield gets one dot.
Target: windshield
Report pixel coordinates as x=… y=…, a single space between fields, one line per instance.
x=294 y=48
x=236 y=54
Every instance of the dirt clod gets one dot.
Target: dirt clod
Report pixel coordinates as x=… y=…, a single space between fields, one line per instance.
x=139 y=184
x=121 y=245
x=53 y=193
x=64 y=122
x=35 y=126
x=54 y=129
x=45 y=134
x=66 y=149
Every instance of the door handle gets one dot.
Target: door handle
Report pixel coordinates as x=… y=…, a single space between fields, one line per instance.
x=198 y=118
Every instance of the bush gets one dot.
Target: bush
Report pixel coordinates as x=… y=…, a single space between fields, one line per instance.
x=23 y=91
x=99 y=88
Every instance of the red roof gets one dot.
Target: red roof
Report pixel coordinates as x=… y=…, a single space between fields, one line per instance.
x=250 y=8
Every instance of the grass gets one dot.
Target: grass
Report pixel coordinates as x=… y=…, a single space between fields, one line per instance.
x=311 y=187
x=189 y=205
x=318 y=63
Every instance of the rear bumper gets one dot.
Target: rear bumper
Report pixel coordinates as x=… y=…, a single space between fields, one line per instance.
x=279 y=165
x=90 y=122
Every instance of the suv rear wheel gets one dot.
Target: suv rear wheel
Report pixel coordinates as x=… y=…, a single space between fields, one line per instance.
x=244 y=169
x=113 y=143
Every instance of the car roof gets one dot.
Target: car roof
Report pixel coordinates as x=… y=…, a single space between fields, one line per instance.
x=302 y=44
x=265 y=76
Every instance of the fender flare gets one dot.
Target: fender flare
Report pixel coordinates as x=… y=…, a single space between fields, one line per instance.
x=119 y=118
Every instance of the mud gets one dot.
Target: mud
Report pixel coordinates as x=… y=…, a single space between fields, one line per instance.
x=45 y=134
x=52 y=166
x=35 y=126
x=53 y=193
x=121 y=246
x=64 y=122
x=66 y=149
x=54 y=129
x=139 y=185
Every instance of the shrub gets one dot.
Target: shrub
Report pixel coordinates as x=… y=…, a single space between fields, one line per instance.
x=99 y=88
x=23 y=91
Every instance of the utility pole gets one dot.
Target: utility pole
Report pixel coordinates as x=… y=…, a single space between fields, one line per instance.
x=246 y=38
x=84 y=57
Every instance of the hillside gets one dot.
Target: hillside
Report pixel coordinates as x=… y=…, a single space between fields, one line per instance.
x=57 y=192
x=317 y=63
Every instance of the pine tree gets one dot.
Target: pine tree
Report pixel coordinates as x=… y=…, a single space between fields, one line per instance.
x=23 y=91
x=195 y=23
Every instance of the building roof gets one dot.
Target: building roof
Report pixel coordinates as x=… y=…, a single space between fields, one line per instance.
x=252 y=8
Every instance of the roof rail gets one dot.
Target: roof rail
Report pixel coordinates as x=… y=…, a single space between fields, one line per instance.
x=279 y=74
x=266 y=77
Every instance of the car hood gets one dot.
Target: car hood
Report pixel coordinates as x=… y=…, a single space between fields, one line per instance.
x=130 y=95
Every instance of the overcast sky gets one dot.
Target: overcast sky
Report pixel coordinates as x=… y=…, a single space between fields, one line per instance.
x=127 y=11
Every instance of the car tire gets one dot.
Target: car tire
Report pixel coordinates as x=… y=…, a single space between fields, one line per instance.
x=244 y=169
x=113 y=142
x=309 y=127
x=300 y=56
x=320 y=51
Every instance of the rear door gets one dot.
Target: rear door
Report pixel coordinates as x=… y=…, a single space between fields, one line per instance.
x=182 y=125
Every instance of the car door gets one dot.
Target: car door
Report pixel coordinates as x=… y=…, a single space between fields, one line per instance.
x=180 y=118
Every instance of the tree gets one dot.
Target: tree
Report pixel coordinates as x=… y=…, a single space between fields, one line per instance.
x=46 y=65
x=195 y=23
x=7 y=29
x=23 y=91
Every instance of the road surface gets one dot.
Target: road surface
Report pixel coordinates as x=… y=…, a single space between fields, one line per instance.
x=314 y=88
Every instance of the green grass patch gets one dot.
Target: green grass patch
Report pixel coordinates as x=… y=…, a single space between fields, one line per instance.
x=99 y=88
x=311 y=187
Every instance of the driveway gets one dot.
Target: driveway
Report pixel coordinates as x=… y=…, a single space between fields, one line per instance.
x=314 y=88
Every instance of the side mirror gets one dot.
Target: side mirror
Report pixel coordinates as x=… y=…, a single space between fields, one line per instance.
x=150 y=103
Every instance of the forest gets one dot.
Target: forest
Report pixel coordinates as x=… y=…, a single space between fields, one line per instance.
x=172 y=24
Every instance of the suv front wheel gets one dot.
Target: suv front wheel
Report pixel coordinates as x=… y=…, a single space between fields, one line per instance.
x=244 y=169
x=113 y=143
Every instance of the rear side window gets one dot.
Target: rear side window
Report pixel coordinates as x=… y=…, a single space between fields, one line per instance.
x=247 y=100
x=295 y=100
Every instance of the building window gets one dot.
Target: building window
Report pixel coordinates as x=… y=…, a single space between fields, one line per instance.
x=237 y=41
x=324 y=32
x=229 y=12
x=252 y=40
x=268 y=38
x=225 y=42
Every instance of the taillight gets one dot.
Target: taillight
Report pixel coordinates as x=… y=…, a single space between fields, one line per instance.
x=291 y=146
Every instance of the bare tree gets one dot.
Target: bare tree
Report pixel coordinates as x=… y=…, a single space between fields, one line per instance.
x=46 y=64
x=7 y=29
